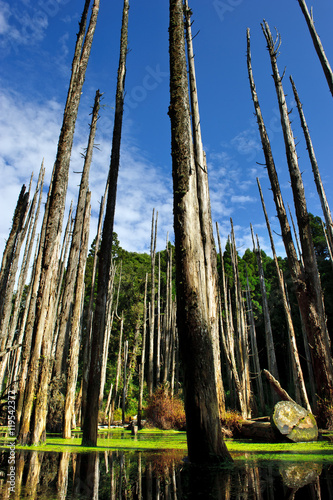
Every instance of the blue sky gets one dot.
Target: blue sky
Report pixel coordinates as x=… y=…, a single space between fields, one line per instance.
x=37 y=40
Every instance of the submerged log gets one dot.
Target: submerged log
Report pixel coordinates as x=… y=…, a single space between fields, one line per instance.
x=294 y=422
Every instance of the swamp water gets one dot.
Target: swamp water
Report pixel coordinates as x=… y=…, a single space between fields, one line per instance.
x=153 y=466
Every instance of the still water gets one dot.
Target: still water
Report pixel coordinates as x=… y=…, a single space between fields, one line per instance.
x=158 y=474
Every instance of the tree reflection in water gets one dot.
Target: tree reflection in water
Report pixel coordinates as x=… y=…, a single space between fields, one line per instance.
x=118 y=475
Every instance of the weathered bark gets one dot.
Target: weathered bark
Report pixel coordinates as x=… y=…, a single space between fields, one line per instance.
x=73 y=259
x=317 y=44
x=206 y=224
x=204 y=434
x=226 y=335
x=90 y=424
x=315 y=169
x=158 y=325
x=9 y=322
x=241 y=337
x=296 y=365
x=115 y=391
x=8 y=254
x=150 y=372
x=254 y=348
x=124 y=380
x=75 y=337
x=45 y=310
x=312 y=304
x=143 y=355
x=319 y=346
x=87 y=340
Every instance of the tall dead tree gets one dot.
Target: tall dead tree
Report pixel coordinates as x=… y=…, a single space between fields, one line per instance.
x=151 y=342
x=143 y=354
x=74 y=253
x=204 y=434
x=311 y=303
x=205 y=216
x=296 y=365
x=87 y=341
x=317 y=44
x=320 y=349
x=45 y=310
x=90 y=424
x=13 y=313
x=75 y=334
x=271 y=357
x=8 y=254
x=315 y=169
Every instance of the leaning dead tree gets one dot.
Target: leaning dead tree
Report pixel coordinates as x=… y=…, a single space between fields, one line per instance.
x=74 y=253
x=204 y=434
x=33 y=429
x=317 y=44
x=313 y=310
x=307 y=284
x=90 y=422
x=315 y=169
x=300 y=389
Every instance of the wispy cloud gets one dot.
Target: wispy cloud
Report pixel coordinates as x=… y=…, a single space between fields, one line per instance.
x=30 y=131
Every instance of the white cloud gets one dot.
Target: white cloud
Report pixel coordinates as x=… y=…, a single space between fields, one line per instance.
x=30 y=131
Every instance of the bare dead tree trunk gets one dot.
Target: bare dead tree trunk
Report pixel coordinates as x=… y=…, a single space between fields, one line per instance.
x=206 y=224
x=158 y=326
x=302 y=293
x=124 y=380
x=42 y=332
x=312 y=304
x=116 y=384
x=90 y=423
x=317 y=44
x=204 y=434
x=9 y=251
x=75 y=337
x=254 y=346
x=150 y=374
x=71 y=271
x=271 y=357
x=315 y=169
x=87 y=340
x=143 y=355
x=226 y=335
x=9 y=322
x=242 y=345
x=296 y=365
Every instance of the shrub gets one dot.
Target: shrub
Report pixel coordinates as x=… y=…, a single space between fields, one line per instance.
x=165 y=412
x=231 y=422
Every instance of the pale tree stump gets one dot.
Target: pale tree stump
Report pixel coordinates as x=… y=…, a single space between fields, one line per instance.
x=294 y=422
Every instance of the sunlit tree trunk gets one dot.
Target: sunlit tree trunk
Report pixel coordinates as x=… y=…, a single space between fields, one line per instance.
x=206 y=224
x=204 y=433
x=315 y=169
x=75 y=336
x=296 y=365
x=311 y=302
x=90 y=423
x=43 y=333
x=317 y=44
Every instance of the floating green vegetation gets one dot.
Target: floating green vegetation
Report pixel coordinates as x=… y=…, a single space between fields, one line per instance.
x=154 y=440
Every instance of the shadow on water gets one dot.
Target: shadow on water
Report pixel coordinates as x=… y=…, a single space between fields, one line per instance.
x=159 y=475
